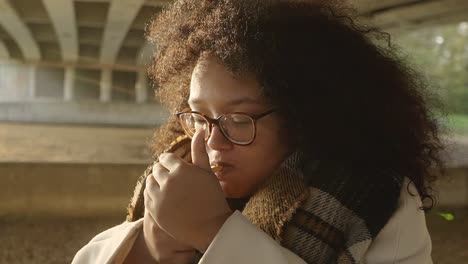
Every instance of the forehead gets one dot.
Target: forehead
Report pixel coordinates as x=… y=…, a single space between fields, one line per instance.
x=212 y=82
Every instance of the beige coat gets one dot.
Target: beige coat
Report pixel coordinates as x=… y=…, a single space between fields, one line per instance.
x=403 y=240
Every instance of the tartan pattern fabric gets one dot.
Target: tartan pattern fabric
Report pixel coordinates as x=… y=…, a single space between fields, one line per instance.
x=341 y=209
x=324 y=212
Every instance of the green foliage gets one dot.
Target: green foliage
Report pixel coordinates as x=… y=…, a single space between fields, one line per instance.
x=458 y=123
x=442 y=54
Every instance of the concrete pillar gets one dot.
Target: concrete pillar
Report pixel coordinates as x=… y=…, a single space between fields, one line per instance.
x=32 y=81
x=106 y=85
x=141 y=87
x=69 y=83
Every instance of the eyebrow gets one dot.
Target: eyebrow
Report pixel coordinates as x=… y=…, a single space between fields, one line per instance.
x=244 y=100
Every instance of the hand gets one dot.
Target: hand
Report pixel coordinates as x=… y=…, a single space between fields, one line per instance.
x=188 y=202
x=153 y=245
x=162 y=247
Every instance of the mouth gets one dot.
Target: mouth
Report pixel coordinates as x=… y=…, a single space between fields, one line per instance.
x=217 y=168
x=220 y=169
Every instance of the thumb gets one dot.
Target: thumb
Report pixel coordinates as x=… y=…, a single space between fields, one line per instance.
x=199 y=155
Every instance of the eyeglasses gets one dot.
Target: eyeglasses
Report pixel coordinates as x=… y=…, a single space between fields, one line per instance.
x=239 y=128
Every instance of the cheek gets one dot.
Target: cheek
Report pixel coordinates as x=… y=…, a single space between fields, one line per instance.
x=257 y=165
x=271 y=145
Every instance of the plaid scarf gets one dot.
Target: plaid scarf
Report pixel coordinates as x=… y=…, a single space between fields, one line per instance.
x=324 y=212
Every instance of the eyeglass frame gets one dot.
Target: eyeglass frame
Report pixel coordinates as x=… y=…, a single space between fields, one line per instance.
x=215 y=121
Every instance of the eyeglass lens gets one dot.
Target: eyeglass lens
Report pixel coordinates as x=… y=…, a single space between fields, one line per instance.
x=238 y=128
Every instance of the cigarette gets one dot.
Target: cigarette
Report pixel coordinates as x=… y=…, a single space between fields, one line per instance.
x=216 y=168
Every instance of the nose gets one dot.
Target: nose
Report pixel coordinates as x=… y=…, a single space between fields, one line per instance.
x=217 y=141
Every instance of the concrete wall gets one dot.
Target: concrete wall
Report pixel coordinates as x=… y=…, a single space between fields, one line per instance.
x=105 y=189
x=85 y=112
x=70 y=170
x=62 y=189
x=32 y=143
x=79 y=170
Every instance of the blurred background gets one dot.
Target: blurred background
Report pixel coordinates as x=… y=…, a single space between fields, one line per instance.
x=77 y=112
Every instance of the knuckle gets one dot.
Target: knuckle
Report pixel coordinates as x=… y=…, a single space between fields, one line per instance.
x=169 y=155
x=161 y=170
x=157 y=168
x=161 y=156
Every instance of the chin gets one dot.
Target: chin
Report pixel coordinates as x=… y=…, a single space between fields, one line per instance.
x=227 y=191
x=230 y=192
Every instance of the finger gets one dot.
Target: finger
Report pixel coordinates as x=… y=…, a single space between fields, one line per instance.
x=151 y=184
x=151 y=192
x=149 y=211
x=170 y=161
x=199 y=155
x=160 y=174
x=148 y=201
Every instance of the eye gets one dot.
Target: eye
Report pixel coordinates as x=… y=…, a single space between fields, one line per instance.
x=240 y=119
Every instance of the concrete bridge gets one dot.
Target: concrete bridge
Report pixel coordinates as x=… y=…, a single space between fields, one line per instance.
x=77 y=112
x=84 y=61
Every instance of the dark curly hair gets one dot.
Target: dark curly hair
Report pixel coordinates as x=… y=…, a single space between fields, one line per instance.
x=342 y=96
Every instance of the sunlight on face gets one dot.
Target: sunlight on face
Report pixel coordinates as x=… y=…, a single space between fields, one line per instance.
x=215 y=91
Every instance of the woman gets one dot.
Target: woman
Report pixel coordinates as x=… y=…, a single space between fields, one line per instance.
x=295 y=139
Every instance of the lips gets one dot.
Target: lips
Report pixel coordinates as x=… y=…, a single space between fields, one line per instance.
x=220 y=168
x=220 y=164
x=216 y=168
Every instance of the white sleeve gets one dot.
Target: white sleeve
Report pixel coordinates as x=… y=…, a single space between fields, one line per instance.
x=110 y=246
x=239 y=241
x=405 y=238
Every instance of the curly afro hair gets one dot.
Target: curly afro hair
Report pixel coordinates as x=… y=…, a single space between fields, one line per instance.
x=340 y=94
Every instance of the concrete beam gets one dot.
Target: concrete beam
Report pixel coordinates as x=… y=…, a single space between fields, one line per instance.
x=86 y=113
x=99 y=25
x=89 y=24
x=97 y=66
x=156 y=3
x=18 y=30
x=4 y=53
x=62 y=14
x=119 y=19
